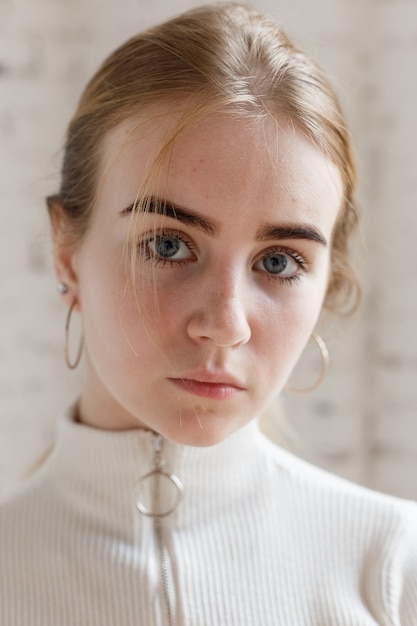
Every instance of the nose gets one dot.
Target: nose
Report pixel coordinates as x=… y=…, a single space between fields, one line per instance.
x=220 y=315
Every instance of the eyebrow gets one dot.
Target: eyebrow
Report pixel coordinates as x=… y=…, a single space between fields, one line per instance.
x=212 y=228
x=177 y=212
x=290 y=231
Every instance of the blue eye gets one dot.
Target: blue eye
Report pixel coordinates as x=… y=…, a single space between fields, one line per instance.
x=281 y=264
x=275 y=264
x=169 y=247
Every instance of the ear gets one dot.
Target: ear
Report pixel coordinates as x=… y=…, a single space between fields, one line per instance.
x=64 y=248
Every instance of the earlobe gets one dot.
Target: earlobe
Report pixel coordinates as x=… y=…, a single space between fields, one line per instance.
x=66 y=275
x=64 y=264
x=63 y=255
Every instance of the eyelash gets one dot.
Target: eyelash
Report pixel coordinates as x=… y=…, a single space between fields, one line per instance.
x=149 y=255
x=301 y=261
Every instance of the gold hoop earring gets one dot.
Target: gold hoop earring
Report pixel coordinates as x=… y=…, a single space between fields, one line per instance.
x=72 y=365
x=324 y=367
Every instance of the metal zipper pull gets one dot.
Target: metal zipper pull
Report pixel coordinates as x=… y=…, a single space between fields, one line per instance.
x=158 y=493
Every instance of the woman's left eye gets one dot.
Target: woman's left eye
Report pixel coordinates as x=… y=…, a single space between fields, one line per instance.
x=168 y=248
x=283 y=265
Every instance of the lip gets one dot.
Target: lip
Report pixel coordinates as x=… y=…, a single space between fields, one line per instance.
x=206 y=384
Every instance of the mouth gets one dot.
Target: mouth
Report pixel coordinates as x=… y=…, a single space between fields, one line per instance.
x=216 y=386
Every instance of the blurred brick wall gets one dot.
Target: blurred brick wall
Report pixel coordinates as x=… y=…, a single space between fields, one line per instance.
x=362 y=422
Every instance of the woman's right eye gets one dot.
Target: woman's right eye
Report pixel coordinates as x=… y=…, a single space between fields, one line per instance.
x=168 y=247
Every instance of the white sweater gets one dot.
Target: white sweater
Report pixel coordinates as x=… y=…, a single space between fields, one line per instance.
x=260 y=538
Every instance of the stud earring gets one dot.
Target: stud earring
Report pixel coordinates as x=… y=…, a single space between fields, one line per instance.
x=62 y=288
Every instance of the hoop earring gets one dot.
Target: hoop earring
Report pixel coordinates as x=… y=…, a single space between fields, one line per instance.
x=324 y=366
x=72 y=365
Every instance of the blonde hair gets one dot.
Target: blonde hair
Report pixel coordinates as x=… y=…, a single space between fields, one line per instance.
x=225 y=57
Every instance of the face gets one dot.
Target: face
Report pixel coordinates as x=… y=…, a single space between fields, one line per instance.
x=229 y=281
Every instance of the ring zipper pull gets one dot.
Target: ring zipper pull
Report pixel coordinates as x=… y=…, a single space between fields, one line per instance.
x=158 y=492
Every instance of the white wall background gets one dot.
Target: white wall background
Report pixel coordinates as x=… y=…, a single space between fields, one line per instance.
x=363 y=422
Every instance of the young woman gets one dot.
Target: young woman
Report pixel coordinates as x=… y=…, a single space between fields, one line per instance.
x=201 y=225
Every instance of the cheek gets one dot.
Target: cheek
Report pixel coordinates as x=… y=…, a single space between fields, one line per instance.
x=282 y=327
x=125 y=328
x=146 y=316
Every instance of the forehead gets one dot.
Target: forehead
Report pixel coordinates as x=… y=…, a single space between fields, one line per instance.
x=224 y=159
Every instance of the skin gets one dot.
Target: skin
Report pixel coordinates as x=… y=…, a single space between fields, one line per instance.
x=218 y=332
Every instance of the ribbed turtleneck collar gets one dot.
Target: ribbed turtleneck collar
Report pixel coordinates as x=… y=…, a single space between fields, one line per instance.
x=97 y=471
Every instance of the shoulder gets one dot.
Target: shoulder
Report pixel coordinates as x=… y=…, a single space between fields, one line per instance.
x=23 y=509
x=322 y=484
x=374 y=532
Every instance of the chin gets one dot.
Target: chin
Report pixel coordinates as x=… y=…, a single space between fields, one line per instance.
x=201 y=433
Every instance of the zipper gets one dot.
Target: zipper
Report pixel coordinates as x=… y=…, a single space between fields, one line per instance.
x=156 y=510
x=166 y=576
